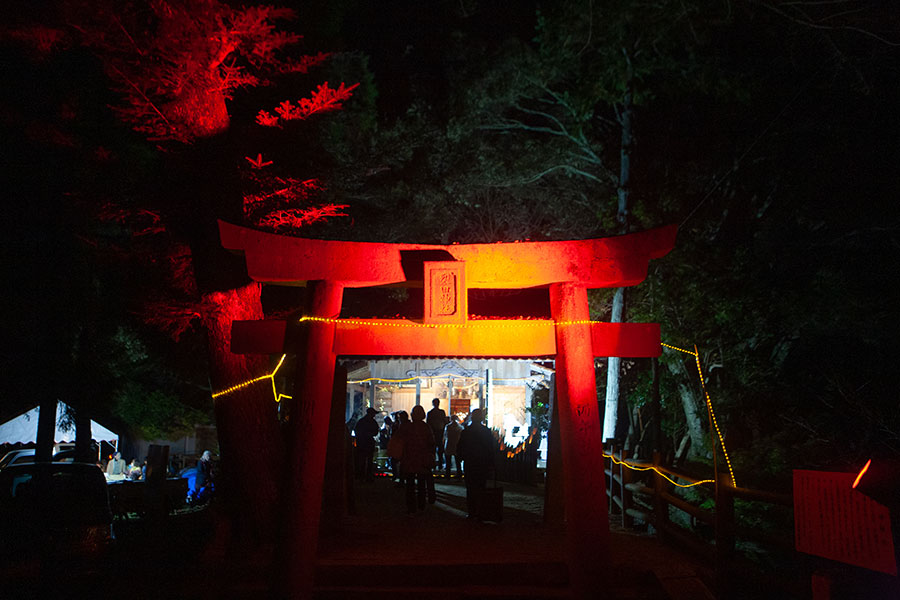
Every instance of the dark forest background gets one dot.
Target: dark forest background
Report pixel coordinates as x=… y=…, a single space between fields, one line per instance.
x=767 y=131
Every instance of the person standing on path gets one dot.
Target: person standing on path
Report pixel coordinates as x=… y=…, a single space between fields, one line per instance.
x=476 y=449
x=437 y=420
x=366 y=430
x=451 y=439
x=416 y=461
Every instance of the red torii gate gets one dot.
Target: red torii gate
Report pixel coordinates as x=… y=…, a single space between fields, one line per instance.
x=566 y=268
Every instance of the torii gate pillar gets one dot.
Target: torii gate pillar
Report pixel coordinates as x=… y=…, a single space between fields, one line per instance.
x=566 y=268
x=587 y=525
x=307 y=443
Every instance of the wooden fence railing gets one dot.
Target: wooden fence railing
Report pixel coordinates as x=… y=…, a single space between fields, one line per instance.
x=646 y=496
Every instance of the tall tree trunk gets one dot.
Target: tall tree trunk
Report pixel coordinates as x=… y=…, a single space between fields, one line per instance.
x=250 y=441
x=83 y=450
x=655 y=412
x=693 y=411
x=611 y=414
x=623 y=191
x=86 y=393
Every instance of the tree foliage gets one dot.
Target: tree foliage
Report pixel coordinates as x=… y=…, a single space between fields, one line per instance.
x=754 y=134
x=175 y=62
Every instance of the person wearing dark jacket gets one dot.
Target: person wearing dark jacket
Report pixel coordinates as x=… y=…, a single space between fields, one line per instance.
x=416 y=460
x=451 y=439
x=366 y=430
x=476 y=449
x=437 y=420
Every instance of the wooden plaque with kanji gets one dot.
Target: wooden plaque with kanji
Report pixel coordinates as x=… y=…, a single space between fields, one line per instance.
x=445 y=292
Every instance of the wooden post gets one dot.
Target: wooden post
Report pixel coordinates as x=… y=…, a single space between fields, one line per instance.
x=155 y=502
x=419 y=388
x=655 y=412
x=487 y=398
x=554 y=512
x=336 y=493
x=724 y=524
x=613 y=508
x=609 y=486
x=587 y=526
x=307 y=444
x=660 y=506
x=625 y=479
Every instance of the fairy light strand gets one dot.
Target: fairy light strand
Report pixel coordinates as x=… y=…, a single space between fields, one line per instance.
x=442 y=376
x=657 y=471
x=714 y=420
x=249 y=382
x=664 y=345
x=485 y=325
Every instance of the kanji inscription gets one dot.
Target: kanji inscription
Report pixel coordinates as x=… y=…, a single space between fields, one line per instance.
x=445 y=304
x=445 y=292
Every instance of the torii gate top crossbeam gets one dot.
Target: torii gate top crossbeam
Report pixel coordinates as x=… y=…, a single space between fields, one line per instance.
x=595 y=263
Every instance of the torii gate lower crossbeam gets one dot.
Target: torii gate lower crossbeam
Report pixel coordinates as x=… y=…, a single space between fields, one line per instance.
x=567 y=269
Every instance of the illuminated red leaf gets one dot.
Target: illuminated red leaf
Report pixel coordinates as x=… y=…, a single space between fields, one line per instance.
x=176 y=62
x=323 y=99
x=281 y=220
x=267 y=119
x=258 y=163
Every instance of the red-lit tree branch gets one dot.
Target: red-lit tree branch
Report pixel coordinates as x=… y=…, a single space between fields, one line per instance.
x=283 y=220
x=176 y=62
x=323 y=99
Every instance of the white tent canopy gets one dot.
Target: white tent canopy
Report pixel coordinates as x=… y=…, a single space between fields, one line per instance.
x=23 y=429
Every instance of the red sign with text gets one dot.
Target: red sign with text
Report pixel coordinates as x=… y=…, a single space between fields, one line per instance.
x=834 y=521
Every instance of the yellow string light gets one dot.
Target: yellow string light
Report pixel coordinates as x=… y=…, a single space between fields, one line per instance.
x=486 y=325
x=655 y=470
x=483 y=324
x=455 y=376
x=713 y=415
x=386 y=380
x=677 y=348
x=249 y=382
x=240 y=386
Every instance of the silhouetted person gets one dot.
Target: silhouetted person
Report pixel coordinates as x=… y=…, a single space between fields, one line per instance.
x=384 y=438
x=476 y=449
x=384 y=434
x=416 y=460
x=366 y=430
x=437 y=420
x=451 y=440
x=401 y=419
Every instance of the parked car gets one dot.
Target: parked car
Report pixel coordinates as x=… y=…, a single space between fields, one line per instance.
x=26 y=457
x=65 y=456
x=54 y=511
x=17 y=457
